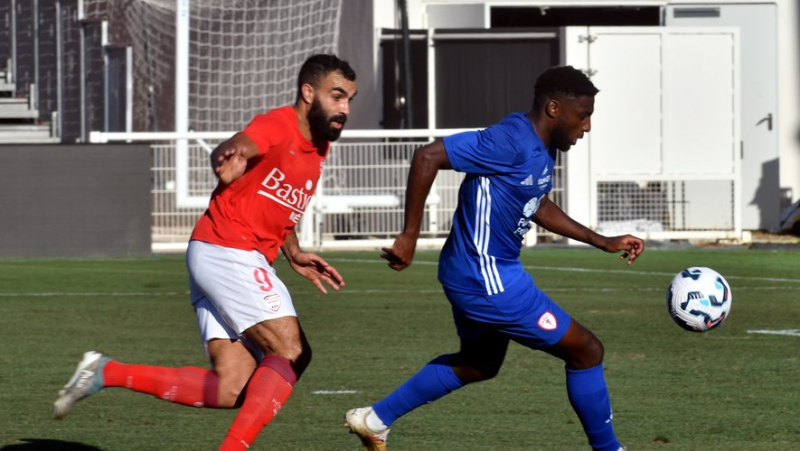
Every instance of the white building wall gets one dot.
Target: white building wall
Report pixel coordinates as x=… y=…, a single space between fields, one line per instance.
x=385 y=13
x=788 y=120
x=789 y=94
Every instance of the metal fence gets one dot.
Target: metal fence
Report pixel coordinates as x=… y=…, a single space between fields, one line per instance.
x=359 y=203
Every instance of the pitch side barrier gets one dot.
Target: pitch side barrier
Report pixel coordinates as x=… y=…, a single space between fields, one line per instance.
x=358 y=204
x=359 y=201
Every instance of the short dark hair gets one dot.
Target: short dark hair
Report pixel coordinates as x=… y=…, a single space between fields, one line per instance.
x=561 y=81
x=320 y=65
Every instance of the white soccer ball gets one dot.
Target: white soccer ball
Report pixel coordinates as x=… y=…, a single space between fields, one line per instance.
x=699 y=299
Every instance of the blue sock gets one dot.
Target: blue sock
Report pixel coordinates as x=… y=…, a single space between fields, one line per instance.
x=589 y=398
x=433 y=381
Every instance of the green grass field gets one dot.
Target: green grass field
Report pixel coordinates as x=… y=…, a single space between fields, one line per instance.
x=729 y=389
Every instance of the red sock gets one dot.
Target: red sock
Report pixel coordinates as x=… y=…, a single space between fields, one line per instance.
x=267 y=391
x=189 y=386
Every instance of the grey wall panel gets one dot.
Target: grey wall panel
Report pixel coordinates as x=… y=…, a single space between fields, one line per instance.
x=75 y=200
x=115 y=88
x=356 y=45
x=94 y=98
x=6 y=32
x=393 y=110
x=48 y=59
x=501 y=84
x=26 y=45
x=70 y=108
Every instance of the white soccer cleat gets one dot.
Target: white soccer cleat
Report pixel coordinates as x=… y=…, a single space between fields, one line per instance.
x=87 y=380
x=356 y=421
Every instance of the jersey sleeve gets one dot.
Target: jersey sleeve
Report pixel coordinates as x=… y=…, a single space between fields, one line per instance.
x=489 y=151
x=267 y=131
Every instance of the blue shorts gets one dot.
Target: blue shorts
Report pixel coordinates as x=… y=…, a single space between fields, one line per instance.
x=528 y=317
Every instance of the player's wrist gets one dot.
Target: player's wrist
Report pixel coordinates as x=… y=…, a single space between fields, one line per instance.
x=291 y=254
x=598 y=241
x=411 y=232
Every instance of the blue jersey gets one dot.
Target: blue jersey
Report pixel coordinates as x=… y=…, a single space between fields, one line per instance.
x=509 y=171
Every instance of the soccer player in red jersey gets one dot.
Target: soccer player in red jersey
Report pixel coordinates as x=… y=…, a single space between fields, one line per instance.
x=248 y=324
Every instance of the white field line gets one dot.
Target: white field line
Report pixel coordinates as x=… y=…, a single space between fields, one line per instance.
x=786 y=332
x=569 y=290
x=377 y=291
x=71 y=293
x=65 y=266
x=431 y=263
x=335 y=392
x=585 y=270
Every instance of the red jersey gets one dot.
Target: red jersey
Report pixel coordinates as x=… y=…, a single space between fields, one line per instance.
x=259 y=209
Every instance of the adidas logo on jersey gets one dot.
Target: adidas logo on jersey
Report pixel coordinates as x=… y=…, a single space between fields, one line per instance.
x=528 y=181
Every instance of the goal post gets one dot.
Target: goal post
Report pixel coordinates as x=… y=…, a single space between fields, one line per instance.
x=215 y=63
x=243 y=55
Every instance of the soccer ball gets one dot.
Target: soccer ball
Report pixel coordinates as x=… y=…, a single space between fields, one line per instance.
x=699 y=299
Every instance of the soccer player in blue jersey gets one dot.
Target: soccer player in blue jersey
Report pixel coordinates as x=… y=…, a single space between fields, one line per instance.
x=509 y=169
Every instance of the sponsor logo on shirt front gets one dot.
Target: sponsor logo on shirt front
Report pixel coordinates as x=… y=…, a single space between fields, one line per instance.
x=545 y=178
x=524 y=224
x=276 y=188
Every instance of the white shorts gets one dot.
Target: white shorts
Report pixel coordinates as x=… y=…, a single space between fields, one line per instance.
x=232 y=290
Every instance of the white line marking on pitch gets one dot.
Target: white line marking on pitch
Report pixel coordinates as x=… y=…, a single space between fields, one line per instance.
x=569 y=290
x=787 y=332
x=52 y=294
x=376 y=291
x=587 y=270
x=335 y=392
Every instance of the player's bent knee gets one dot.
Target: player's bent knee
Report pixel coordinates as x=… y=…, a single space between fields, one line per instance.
x=294 y=351
x=489 y=373
x=600 y=349
x=488 y=370
x=231 y=386
x=300 y=360
x=579 y=348
x=594 y=352
x=469 y=375
x=299 y=354
x=281 y=336
x=470 y=372
x=589 y=354
x=229 y=397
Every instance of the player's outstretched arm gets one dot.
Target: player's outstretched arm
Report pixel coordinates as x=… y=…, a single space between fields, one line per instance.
x=229 y=159
x=553 y=218
x=311 y=266
x=425 y=165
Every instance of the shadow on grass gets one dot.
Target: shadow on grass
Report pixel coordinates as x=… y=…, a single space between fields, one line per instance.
x=34 y=444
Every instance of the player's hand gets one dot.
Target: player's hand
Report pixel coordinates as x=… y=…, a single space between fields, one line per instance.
x=630 y=246
x=230 y=164
x=401 y=254
x=317 y=270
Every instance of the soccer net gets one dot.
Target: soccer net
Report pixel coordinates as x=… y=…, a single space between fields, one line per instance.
x=244 y=55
